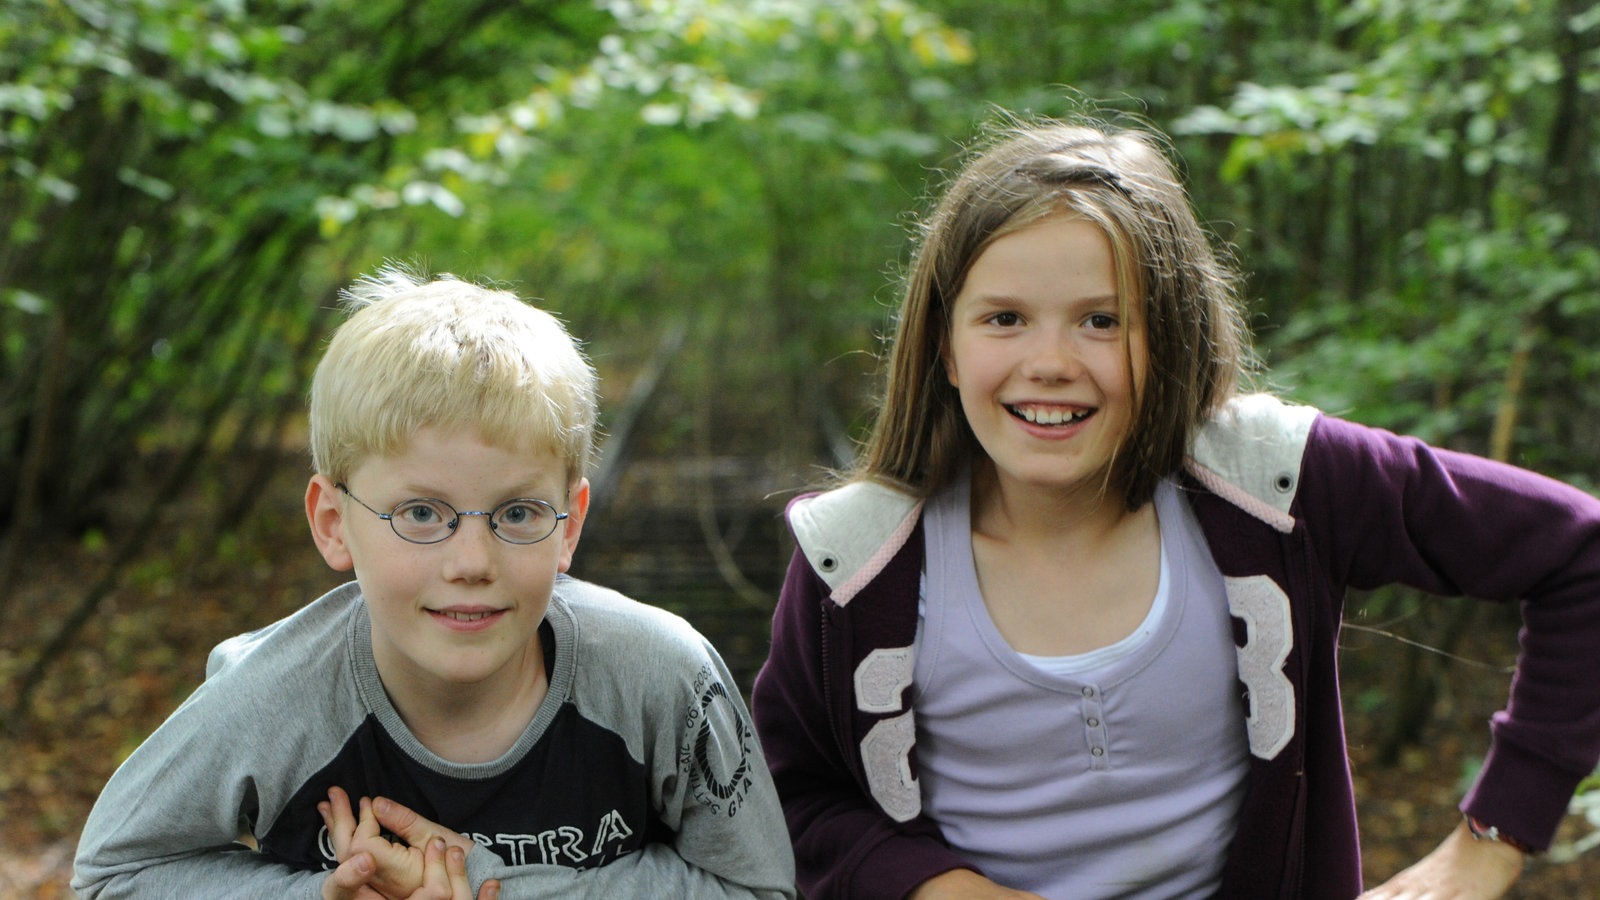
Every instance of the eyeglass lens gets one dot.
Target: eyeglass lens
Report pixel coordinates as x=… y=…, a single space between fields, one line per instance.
x=427 y=521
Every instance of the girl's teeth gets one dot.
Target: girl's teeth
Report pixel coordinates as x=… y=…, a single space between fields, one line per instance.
x=466 y=617
x=1049 y=416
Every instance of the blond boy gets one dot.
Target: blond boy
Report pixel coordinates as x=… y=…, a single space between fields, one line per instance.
x=463 y=719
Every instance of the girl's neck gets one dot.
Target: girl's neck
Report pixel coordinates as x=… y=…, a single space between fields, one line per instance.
x=1062 y=573
x=1025 y=514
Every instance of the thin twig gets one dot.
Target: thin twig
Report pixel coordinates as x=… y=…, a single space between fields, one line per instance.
x=1475 y=663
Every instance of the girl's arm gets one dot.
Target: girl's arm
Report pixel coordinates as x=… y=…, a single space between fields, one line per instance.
x=1385 y=509
x=1462 y=868
x=845 y=846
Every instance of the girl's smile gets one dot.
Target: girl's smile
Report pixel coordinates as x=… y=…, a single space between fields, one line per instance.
x=1046 y=415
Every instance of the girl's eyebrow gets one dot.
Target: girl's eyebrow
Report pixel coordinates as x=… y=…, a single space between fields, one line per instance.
x=1006 y=299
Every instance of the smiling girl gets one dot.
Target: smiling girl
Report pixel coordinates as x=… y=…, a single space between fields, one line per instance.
x=1070 y=628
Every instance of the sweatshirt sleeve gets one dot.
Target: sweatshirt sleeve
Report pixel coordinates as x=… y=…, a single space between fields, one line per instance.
x=713 y=789
x=651 y=678
x=167 y=823
x=844 y=844
x=1449 y=523
x=220 y=872
x=658 y=870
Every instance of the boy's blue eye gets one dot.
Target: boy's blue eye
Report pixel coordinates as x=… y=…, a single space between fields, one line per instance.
x=519 y=514
x=420 y=514
x=423 y=520
x=525 y=521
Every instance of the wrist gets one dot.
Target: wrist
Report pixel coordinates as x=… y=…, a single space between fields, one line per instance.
x=951 y=883
x=1482 y=831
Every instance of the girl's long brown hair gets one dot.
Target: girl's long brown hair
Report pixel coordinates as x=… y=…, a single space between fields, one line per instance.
x=1121 y=180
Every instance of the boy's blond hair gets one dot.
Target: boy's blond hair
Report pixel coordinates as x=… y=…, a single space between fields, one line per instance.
x=452 y=355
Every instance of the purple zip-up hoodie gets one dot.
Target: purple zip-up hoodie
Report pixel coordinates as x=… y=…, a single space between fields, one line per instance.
x=1296 y=507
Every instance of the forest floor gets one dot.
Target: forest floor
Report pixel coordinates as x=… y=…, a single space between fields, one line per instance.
x=145 y=651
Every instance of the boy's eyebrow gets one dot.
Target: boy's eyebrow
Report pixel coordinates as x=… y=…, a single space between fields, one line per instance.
x=525 y=491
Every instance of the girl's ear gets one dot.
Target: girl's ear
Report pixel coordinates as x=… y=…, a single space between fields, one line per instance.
x=949 y=360
x=572 y=527
x=325 y=514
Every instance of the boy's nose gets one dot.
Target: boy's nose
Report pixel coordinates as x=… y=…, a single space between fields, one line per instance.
x=472 y=549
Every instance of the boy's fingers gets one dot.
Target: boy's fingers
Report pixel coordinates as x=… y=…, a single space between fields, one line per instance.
x=368 y=825
x=347 y=880
x=412 y=827
x=338 y=803
x=490 y=890
x=338 y=819
x=434 y=876
x=444 y=873
x=455 y=862
x=402 y=820
x=455 y=865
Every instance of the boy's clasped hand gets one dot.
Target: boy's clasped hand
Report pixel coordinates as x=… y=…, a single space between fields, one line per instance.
x=430 y=864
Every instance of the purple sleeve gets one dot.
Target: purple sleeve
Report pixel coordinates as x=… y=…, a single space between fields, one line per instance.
x=844 y=845
x=1398 y=511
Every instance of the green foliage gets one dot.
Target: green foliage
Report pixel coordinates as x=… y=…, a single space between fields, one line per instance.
x=737 y=166
x=186 y=182
x=1406 y=181
x=1437 y=153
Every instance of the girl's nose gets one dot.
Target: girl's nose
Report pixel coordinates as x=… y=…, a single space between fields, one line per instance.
x=1051 y=357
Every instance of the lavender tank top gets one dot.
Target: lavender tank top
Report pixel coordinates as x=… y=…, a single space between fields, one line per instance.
x=1118 y=773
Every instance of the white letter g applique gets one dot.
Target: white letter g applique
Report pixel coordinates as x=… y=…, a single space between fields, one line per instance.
x=880 y=682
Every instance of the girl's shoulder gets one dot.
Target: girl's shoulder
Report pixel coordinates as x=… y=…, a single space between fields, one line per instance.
x=851 y=531
x=1251 y=453
x=1255 y=423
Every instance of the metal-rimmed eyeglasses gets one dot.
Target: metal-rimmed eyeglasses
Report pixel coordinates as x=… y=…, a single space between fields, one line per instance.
x=425 y=520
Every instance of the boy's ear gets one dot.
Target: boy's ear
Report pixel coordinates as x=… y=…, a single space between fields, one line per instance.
x=325 y=514
x=572 y=526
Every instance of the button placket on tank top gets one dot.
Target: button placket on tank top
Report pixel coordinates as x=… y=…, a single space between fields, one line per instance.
x=1094 y=727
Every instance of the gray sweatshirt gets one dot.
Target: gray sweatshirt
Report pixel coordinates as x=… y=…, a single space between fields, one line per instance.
x=640 y=774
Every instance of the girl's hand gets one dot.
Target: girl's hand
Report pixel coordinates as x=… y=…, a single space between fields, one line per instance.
x=1461 y=868
x=431 y=865
x=965 y=884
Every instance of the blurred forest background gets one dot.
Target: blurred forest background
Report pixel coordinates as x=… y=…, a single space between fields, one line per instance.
x=716 y=196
